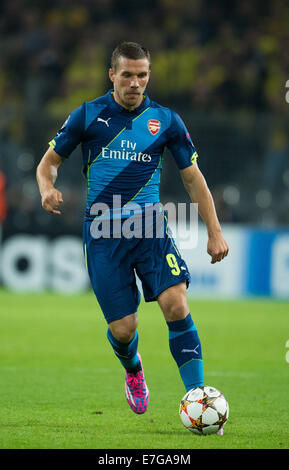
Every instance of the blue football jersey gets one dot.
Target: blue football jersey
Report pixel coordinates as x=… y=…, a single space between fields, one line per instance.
x=123 y=150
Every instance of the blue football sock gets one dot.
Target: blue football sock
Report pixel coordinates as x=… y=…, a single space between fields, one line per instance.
x=186 y=349
x=126 y=352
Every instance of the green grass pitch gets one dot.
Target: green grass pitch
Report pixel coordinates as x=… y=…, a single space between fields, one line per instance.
x=62 y=387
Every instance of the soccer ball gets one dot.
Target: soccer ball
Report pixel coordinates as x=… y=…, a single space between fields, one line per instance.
x=204 y=410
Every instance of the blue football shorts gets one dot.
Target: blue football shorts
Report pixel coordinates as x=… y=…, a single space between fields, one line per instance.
x=113 y=264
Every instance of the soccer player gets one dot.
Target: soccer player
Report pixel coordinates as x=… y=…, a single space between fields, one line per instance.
x=123 y=135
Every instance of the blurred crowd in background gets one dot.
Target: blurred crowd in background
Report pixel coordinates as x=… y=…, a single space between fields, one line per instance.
x=222 y=65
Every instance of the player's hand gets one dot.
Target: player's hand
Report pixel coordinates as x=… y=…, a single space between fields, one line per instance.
x=217 y=247
x=51 y=200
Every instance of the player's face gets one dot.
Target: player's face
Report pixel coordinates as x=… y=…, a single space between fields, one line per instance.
x=130 y=79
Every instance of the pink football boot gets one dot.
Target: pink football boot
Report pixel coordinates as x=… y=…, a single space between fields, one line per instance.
x=136 y=391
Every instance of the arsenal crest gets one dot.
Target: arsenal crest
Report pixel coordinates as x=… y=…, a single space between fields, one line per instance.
x=154 y=126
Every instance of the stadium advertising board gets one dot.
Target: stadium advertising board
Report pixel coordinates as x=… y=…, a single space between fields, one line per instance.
x=258 y=264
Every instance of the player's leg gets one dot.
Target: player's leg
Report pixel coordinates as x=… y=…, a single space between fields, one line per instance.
x=113 y=280
x=123 y=337
x=164 y=275
x=184 y=340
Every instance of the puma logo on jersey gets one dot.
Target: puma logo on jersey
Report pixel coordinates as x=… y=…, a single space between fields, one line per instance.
x=103 y=120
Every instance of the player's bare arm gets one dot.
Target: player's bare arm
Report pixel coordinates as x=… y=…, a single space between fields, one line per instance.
x=197 y=188
x=46 y=175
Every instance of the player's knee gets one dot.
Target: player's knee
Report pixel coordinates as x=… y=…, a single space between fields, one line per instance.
x=124 y=329
x=177 y=311
x=173 y=303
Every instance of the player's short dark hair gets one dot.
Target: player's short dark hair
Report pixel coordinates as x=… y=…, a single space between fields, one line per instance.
x=129 y=50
